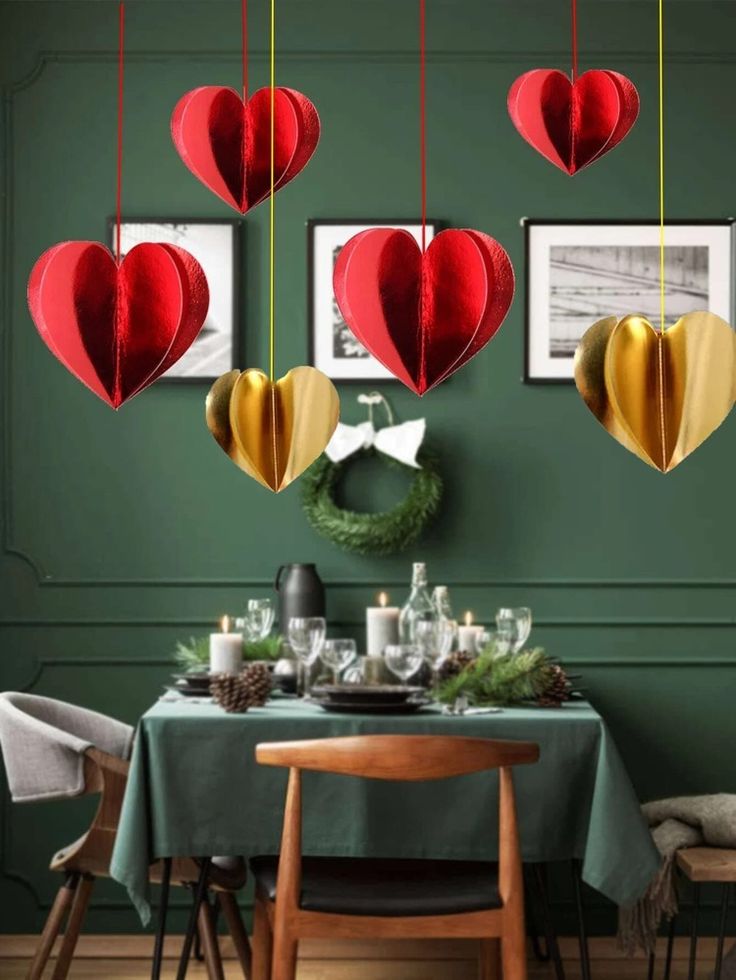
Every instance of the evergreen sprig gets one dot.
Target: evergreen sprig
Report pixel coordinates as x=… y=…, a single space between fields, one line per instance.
x=371 y=534
x=194 y=653
x=508 y=679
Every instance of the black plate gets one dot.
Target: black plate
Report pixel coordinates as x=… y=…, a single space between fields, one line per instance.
x=188 y=692
x=366 y=694
x=372 y=708
x=192 y=682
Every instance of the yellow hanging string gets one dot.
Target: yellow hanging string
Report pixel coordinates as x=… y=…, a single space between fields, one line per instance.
x=661 y=167
x=660 y=352
x=272 y=275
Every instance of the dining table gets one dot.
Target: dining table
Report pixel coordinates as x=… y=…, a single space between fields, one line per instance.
x=195 y=788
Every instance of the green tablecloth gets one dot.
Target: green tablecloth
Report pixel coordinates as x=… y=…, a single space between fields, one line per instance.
x=195 y=789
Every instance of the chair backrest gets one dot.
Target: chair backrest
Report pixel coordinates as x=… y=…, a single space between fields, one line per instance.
x=406 y=758
x=48 y=745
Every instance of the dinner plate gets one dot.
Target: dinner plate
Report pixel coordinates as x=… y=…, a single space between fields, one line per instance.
x=364 y=694
x=372 y=707
x=192 y=682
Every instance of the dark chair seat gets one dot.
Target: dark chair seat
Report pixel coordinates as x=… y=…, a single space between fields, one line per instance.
x=387 y=886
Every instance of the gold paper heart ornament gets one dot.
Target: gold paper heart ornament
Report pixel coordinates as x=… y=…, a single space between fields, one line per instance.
x=660 y=396
x=273 y=430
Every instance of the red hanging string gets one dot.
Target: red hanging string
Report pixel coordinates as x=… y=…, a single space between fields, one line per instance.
x=574 y=12
x=121 y=40
x=423 y=117
x=244 y=41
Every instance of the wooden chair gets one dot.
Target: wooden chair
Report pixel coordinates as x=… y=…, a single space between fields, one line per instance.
x=359 y=898
x=88 y=858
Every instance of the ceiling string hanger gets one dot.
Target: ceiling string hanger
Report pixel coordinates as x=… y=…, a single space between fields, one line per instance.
x=691 y=365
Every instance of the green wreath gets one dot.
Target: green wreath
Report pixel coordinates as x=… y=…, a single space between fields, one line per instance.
x=371 y=534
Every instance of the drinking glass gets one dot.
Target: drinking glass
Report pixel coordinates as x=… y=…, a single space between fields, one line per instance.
x=338 y=654
x=403 y=659
x=306 y=636
x=498 y=641
x=517 y=623
x=258 y=620
x=434 y=638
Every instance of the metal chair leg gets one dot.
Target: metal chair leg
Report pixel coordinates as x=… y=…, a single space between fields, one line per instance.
x=722 y=930
x=539 y=872
x=163 y=908
x=199 y=894
x=670 y=945
x=694 y=932
x=582 y=935
x=650 y=970
x=532 y=926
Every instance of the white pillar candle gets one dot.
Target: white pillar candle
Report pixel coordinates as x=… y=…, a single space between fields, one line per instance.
x=468 y=635
x=226 y=650
x=382 y=626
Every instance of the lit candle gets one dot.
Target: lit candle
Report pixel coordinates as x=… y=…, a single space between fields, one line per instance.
x=468 y=634
x=226 y=650
x=382 y=626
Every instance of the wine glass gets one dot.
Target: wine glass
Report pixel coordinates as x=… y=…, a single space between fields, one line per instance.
x=338 y=654
x=498 y=641
x=403 y=659
x=434 y=638
x=306 y=636
x=259 y=619
x=517 y=623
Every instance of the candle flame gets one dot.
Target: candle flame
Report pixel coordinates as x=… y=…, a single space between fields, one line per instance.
x=468 y=618
x=225 y=624
x=383 y=599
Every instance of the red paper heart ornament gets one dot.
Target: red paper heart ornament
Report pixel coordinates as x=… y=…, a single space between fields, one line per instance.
x=226 y=142
x=117 y=328
x=573 y=124
x=423 y=315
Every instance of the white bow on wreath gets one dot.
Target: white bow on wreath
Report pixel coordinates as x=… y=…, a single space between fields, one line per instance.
x=401 y=442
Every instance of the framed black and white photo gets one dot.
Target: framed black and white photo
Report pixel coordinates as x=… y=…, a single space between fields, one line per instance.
x=578 y=272
x=216 y=246
x=332 y=347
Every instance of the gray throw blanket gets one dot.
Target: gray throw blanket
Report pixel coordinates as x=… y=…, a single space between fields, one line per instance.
x=685 y=821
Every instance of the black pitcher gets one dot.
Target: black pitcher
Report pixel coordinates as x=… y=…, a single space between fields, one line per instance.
x=301 y=593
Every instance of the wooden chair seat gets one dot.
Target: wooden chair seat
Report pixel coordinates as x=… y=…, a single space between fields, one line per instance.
x=708 y=864
x=387 y=887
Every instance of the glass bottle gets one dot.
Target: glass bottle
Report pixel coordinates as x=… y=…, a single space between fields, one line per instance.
x=419 y=605
x=441 y=601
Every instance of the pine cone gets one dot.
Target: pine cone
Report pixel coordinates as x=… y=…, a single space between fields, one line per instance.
x=558 y=689
x=229 y=692
x=256 y=682
x=454 y=664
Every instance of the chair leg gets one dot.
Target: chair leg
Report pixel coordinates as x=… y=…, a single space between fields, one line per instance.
x=210 y=949
x=52 y=926
x=235 y=926
x=163 y=908
x=582 y=934
x=694 y=932
x=199 y=894
x=553 y=950
x=262 y=940
x=489 y=960
x=670 y=945
x=73 y=927
x=722 y=930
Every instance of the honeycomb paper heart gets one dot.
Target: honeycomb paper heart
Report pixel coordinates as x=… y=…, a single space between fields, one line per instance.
x=273 y=430
x=573 y=124
x=423 y=316
x=226 y=142
x=117 y=328
x=660 y=396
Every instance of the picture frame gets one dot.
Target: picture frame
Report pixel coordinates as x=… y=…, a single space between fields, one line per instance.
x=331 y=346
x=577 y=272
x=217 y=246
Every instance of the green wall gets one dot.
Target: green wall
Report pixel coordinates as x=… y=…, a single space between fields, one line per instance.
x=122 y=533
